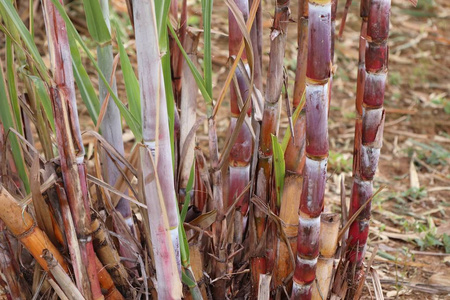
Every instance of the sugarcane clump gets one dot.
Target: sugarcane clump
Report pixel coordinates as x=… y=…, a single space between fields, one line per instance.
x=166 y=217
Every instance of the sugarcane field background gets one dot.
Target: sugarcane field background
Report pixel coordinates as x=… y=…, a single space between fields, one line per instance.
x=236 y=149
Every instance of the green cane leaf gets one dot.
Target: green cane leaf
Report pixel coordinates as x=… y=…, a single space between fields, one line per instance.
x=95 y=22
x=279 y=166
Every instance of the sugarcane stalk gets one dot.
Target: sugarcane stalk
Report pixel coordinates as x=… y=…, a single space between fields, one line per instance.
x=271 y=106
x=367 y=154
x=61 y=277
x=23 y=227
x=70 y=146
x=364 y=13
x=315 y=169
x=294 y=159
x=361 y=76
x=269 y=127
x=188 y=110
x=328 y=242
x=238 y=160
x=334 y=4
x=9 y=267
x=241 y=152
x=111 y=126
x=71 y=236
x=108 y=255
x=107 y=284
x=156 y=160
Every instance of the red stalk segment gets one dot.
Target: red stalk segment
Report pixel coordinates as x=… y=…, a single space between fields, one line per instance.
x=316 y=109
x=241 y=152
x=70 y=147
x=364 y=12
x=295 y=160
x=371 y=131
x=269 y=127
x=271 y=113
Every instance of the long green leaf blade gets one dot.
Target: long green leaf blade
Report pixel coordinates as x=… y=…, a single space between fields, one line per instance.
x=198 y=78
x=131 y=82
x=7 y=119
x=10 y=12
x=95 y=22
x=207 y=57
x=42 y=95
x=12 y=88
x=84 y=83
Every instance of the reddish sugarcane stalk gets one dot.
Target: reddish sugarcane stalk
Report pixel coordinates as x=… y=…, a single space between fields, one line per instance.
x=294 y=158
x=329 y=231
x=157 y=179
x=271 y=108
x=70 y=147
x=364 y=13
x=334 y=4
x=367 y=152
x=315 y=170
x=241 y=152
x=269 y=127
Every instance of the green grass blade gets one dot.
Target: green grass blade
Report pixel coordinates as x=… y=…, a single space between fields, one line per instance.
x=131 y=82
x=207 y=57
x=187 y=198
x=184 y=247
x=167 y=73
x=43 y=98
x=11 y=79
x=132 y=122
x=9 y=12
x=84 y=83
x=95 y=22
x=162 y=11
x=279 y=166
x=187 y=280
x=7 y=119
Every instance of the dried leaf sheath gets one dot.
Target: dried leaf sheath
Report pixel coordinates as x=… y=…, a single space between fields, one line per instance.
x=70 y=147
x=317 y=100
x=367 y=152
